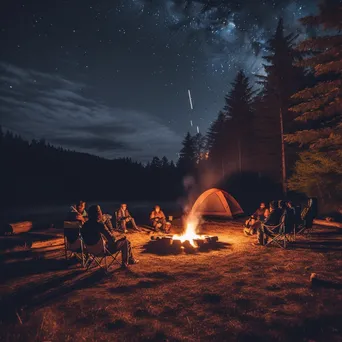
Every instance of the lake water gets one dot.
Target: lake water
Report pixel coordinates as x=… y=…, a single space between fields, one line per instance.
x=52 y=213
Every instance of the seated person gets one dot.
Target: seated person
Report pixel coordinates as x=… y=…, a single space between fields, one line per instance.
x=94 y=228
x=79 y=213
x=123 y=217
x=158 y=220
x=260 y=214
x=272 y=220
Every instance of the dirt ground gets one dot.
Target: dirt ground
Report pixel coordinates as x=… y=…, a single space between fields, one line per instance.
x=234 y=292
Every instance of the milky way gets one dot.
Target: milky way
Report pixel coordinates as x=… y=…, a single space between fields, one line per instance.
x=231 y=35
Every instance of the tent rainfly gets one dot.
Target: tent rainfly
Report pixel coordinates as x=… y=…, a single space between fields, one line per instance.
x=216 y=202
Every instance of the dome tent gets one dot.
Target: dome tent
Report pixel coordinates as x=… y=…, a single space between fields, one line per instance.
x=216 y=202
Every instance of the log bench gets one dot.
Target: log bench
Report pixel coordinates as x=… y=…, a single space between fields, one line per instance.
x=328 y=223
x=15 y=228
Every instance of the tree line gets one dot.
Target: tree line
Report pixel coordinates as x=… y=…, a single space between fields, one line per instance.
x=39 y=172
x=290 y=129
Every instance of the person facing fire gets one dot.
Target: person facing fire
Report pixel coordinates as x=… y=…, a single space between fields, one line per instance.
x=124 y=217
x=158 y=219
x=272 y=220
x=94 y=229
x=259 y=215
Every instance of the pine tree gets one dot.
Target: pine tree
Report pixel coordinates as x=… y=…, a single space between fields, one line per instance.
x=215 y=140
x=238 y=128
x=283 y=78
x=318 y=172
x=165 y=163
x=200 y=147
x=187 y=156
x=156 y=163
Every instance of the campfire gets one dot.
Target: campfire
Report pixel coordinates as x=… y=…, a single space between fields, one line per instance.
x=190 y=233
x=189 y=239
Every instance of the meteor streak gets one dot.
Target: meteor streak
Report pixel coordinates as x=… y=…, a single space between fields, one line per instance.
x=190 y=99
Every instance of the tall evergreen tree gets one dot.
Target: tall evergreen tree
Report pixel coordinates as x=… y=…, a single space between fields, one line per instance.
x=165 y=163
x=187 y=156
x=215 y=140
x=238 y=128
x=156 y=163
x=283 y=78
x=200 y=147
x=319 y=169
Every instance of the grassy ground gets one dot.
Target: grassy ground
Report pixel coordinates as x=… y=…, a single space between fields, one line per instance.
x=237 y=292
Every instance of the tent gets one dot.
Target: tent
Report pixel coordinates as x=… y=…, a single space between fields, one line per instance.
x=216 y=202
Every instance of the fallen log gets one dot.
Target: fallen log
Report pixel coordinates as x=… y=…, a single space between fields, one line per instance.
x=324 y=281
x=328 y=223
x=16 y=228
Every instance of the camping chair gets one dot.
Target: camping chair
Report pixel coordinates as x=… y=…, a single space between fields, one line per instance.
x=280 y=234
x=98 y=253
x=73 y=242
x=304 y=224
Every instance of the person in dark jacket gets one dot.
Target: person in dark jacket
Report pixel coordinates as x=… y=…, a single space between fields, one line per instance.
x=272 y=220
x=94 y=229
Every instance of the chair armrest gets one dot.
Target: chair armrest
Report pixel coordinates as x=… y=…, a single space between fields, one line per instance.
x=271 y=227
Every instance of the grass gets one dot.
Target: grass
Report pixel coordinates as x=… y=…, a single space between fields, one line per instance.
x=237 y=292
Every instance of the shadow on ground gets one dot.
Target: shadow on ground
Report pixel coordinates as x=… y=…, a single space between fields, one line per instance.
x=30 y=298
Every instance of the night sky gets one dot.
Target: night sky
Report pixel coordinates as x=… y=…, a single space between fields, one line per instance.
x=111 y=77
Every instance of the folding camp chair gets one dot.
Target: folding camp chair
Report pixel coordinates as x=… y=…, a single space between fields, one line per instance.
x=73 y=242
x=98 y=253
x=279 y=235
x=304 y=226
x=308 y=214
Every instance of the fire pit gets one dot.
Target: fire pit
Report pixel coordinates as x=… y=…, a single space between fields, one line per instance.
x=189 y=240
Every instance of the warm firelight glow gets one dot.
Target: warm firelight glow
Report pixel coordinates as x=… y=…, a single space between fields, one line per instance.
x=190 y=232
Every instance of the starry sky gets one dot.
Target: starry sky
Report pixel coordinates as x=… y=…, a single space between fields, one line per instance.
x=111 y=78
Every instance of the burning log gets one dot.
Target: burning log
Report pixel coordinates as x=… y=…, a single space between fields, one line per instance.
x=189 y=241
x=169 y=241
x=189 y=247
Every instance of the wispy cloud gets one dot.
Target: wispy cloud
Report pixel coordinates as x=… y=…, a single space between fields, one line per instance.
x=40 y=105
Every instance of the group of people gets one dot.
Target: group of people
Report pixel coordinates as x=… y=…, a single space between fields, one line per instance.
x=96 y=225
x=278 y=211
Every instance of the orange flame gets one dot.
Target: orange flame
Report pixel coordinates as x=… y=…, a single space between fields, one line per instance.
x=190 y=232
